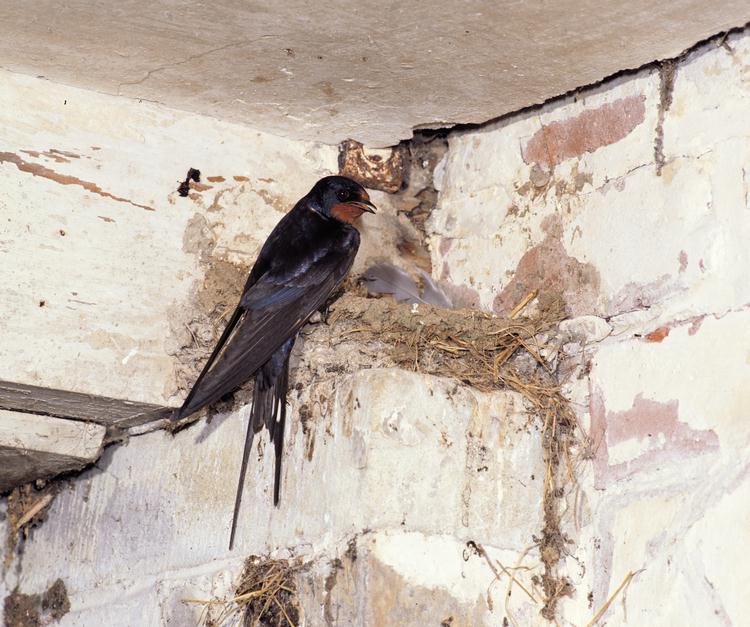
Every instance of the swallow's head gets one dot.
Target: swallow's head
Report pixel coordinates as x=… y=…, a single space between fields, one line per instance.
x=340 y=198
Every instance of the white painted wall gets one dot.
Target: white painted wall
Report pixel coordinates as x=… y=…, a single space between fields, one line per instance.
x=658 y=374
x=666 y=402
x=114 y=284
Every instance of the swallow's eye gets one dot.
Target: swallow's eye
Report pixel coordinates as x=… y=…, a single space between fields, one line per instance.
x=342 y=195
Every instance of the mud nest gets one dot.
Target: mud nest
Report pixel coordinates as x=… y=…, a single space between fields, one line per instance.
x=519 y=352
x=480 y=350
x=487 y=352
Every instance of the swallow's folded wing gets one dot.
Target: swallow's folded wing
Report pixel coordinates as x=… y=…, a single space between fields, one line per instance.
x=271 y=311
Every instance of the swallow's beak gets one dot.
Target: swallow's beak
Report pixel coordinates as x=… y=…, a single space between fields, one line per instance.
x=364 y=205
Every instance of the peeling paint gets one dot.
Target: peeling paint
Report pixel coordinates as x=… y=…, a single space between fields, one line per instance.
x=277 y=201
x=548 y=268
x=586 y=132
x=683 y=260
x=635 y=296
x=641 y=438
x=658 y=335
x=410 y=594
x=695 y=324
x=36 y=169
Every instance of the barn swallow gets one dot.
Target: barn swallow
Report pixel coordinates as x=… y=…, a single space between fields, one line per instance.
x=303 y=261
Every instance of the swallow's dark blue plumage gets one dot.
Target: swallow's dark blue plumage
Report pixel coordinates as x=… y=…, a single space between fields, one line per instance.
x=304 y=259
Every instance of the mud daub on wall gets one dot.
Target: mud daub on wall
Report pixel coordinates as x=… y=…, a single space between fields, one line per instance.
x=193 y=339
x=35 y=610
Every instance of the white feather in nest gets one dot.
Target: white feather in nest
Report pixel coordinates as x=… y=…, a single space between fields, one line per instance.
x=385 y=278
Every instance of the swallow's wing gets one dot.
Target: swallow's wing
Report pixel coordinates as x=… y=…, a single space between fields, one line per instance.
x=261 y=266
x=271 y=311
x=186 y=410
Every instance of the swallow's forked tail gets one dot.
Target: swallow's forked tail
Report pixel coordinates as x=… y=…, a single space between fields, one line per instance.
x=269 y=410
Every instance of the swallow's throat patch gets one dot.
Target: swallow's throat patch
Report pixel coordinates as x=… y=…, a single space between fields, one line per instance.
x=346 y=212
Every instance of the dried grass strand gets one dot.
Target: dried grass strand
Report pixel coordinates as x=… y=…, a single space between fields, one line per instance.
x=621 y=588
x=264 y=584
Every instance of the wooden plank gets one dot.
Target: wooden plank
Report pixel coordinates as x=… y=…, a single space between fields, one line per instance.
x=113 y=413
x=37 y=447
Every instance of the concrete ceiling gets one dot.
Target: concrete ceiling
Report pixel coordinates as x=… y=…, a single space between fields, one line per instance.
x=366 y=70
